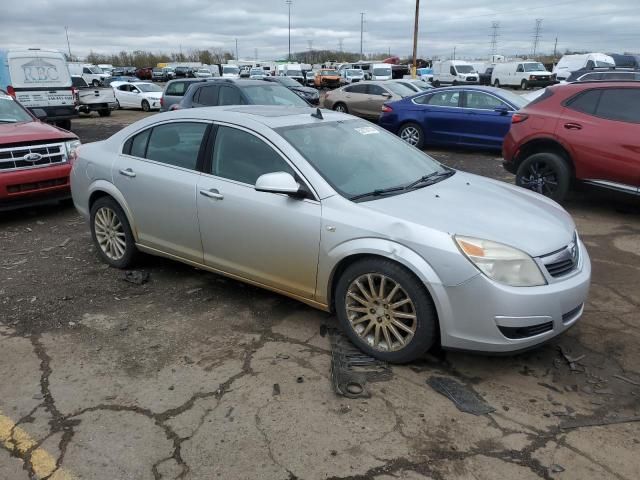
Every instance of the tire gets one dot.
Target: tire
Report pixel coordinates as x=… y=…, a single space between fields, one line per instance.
x=104 y=113
x=419 y=318
x=118 y=102
x=496 y=83
x=413 y=134
x=341 y=107
x=455 y=83
x=145 y=106
x=95 y=83
x=66 y=124
x=111 y=250
x=545 y=173
x=524 y=85
x=436 y=83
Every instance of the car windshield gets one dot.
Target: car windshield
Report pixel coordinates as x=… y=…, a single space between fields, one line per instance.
x=534 y=67
x=465 y=69
x=287 y=82
x=400 y=89
x=233 y=70
x=294 y=73
x=95 y=70
x=11 y=112
x=157 y=70
x=356 y=157
x=354 y=73
x=148 y=87
x=382 y=72
x=273 y=95
x=516 y=100
x=600 y=63
x=420 y=84
x=328 y=73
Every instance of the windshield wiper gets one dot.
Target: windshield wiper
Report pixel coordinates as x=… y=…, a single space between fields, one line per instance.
x=430 y=179
x=377 y=192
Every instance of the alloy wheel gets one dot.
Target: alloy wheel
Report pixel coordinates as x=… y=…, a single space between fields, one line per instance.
x=340 y=108
x=381 y=312
x=110 y=233
x=410 y=135
x=540 y=177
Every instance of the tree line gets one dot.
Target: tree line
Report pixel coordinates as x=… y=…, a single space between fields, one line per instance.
x=142 y=58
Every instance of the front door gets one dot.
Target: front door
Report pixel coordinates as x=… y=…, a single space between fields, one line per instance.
x=356 y=98
x=375 y=99
x=269 y=238
x=439 y=113
x=484 y=120
x=157 y=174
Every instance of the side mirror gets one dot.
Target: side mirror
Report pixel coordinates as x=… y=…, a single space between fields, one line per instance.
x=277 y=182
x=387 y=95
x=39 y=113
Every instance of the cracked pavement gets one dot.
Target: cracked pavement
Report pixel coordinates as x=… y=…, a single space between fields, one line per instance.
x=175 y=378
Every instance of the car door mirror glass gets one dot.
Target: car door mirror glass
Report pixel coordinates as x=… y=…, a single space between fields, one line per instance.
x=277 y=182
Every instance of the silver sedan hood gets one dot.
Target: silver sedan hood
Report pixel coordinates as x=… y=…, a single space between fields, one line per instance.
x=471 y=205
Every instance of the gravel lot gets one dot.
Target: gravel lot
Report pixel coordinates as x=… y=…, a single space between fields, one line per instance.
x=195 y=376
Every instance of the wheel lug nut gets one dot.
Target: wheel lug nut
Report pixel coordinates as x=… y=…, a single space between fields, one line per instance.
x=372 y=310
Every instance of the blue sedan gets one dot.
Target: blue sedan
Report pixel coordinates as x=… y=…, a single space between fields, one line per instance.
x=456 y=116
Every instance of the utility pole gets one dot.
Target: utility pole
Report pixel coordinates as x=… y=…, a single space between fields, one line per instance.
x=454 y=52
x=66 y=29
x=555 y=49
x=495 y=26
x=536 y=36
x=237 y=57
x=289 y=2
x=255 y=54
x=340 y=44
x=415 y=41
x=361 y=31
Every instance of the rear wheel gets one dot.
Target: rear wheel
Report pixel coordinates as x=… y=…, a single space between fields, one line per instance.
x=412 y=134
x=545 y=173
x=95 y=83
x=436 y=83
x=341 y=107
x=455 y=83
x=496 y=83
x=118 y=102
x=111 y=233
x=104 y=113
x=145 y=106
x=385 y=310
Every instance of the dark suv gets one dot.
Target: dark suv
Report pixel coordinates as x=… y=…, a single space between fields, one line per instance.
x=309 y=94
x=604 y=74
x=227 y=91
x=184 y=72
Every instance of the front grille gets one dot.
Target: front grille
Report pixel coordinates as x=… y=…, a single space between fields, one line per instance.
x=472 y=79
x=561 y=268
x=563 y=261
x=31 y=186
x=525 y=332
x=49 y=154
x=570 y=315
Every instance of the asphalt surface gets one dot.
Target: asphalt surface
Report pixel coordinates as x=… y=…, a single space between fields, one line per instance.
x=194 y=376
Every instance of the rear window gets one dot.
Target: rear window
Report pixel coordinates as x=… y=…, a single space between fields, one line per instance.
x=621 y=104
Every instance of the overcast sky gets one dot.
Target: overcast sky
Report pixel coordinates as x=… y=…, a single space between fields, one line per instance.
x=113 y=25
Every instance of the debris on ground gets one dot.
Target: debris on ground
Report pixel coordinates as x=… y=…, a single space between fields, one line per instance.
x=276 y=389
x=351 y=369
x=628 y=380
x=464 y=397
x=598 y=423
x=300 y=379
x=572 y=361
x=137 y=277
x=555 y=468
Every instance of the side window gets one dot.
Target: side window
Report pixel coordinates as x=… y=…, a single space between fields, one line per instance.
x=86 y=70
x=176 y=89
x=136 y=146
x=124 y=88
x=482 y=101
x=590 y=64
x=445 y=99
x=585 y=102
x=176 y=144
x=422 y=100
x=229 y=96
x=243 y=157
x=520 y=69
x=621 y=104
x=376 y=90
x=207 y=96
x=359 y=88
x=452 y=70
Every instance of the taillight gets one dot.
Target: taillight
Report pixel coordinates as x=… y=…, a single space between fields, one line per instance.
x=76 y=95
x=11 y=91
x=387 y=109
x=519 y=117
x=162 y=101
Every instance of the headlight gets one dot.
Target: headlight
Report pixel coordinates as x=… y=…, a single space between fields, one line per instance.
x=501 y=263
x=72 y=147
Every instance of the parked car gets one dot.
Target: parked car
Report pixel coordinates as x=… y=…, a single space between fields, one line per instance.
x=310 y=78
x=203 y=73
x=626 y=61
x=257 y=73
x=352 y=75
x=604 y=74
x=174 y=90
x=228 y=91
x=380 y=71
x=571 y=63
x=365 y=99
x=453 y=72
x=521 y=75
x=112 y=80
x=425 y=74
x=584 y=131
x=145 y=73
x=406 y=252
x=230 y=71
x=39 y=79
x=484 y=78
x=184 y=72
x=162 y=74
x=309 y=94
x=327 y=78
x=292 y=70
x=106 y=68
x=35 y=158
x=144 y=95
x=93 y=99
x=123 y=72
x=414 y=84
x=471 y=116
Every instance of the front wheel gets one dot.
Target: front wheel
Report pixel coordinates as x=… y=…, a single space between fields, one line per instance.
x=545 y=173
x=524 y=85
x=145 y=106
x=95 y=83
x=104 y=113
x=436 y=83
x=412 y=134
x=111 y=233
x=385 y=310
x=496 y=83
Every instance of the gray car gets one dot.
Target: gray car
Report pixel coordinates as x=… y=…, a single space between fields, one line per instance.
x=339 y=214
x=365 y=99
x=175 y=90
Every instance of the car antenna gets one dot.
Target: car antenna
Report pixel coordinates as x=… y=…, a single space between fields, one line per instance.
x=317 y=114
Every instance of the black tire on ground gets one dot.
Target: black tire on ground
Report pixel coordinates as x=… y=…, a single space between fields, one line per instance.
x=131 y=252
x=436 y=83
x=66 y=124
x=95 y=83
x=104 y=113
x=118 y=102
x=496 y=83
x=455 y=83
x=419 y=132
x=524 y=84
x=426 y=331
x=341 y=107
x=545 y=173
x=145 y=106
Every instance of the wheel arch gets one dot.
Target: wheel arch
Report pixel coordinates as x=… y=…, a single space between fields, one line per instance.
x=542 y=145
x=102 y=188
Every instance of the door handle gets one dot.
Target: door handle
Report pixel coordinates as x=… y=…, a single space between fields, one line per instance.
x=213 y=193
x=128 y=172
x=573 y=126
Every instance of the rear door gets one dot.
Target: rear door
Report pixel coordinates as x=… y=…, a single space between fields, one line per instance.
x=356 y=98
x=602 y=128
x=375 y=98
x=206 y=96
x=439 y=114
x=484 y=119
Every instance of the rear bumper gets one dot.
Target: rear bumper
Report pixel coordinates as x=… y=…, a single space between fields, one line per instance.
x=31 y=187
x=62 y=112
x=98 y=106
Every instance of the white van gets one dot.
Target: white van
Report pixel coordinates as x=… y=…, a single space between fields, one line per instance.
x=91 y=74
x=521 y=75
x=381 y=71
x=293 y=70
x=453 y=72
x=106 y=68
x=39 y=78
x=570 y=63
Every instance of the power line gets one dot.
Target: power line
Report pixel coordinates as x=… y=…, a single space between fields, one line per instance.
x=536 y=36
x=495 y=26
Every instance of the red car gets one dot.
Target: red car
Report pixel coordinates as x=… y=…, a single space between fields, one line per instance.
x=145 y=73
x=35 y=158
x=586 y=131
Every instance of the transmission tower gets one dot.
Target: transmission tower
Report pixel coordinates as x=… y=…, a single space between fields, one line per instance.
x=340 y=44
x=495 y=26
x=536 y=36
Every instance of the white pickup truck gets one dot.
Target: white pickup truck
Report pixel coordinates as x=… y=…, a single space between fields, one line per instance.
x=93 y=99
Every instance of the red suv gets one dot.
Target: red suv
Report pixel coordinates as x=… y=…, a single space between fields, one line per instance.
x=587 y=131
x=35 y=158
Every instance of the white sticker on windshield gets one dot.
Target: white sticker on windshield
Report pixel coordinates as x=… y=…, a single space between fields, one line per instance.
x=366 y=130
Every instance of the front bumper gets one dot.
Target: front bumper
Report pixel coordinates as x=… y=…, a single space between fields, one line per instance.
x=540 y=83
x=23 y=188
x=484 y=316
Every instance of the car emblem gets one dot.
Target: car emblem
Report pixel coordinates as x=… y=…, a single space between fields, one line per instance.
x=32 y=157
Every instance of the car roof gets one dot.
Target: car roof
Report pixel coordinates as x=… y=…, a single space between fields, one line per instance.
x=598 y=83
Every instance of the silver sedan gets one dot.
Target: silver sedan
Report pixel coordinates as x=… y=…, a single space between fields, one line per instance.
x=339 y=214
